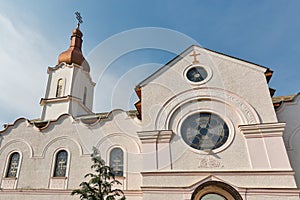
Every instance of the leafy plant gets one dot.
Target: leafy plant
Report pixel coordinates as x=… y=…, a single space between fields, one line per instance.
x=101 y=182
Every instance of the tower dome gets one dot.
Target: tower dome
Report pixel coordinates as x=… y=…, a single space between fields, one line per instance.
x=74 y=53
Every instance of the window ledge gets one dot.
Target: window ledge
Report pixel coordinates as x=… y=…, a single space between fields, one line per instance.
x=10 y=178
x=58 y=183
x=59 y=177
x=9 y=183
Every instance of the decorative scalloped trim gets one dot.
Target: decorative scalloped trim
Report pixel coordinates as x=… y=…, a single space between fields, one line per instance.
x=93 y=121
x=7 y=126
x=284 y=103
x=96 y=119
x=47 y=123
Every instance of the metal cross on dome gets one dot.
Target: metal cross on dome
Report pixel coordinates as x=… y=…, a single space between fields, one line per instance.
x=79 y=18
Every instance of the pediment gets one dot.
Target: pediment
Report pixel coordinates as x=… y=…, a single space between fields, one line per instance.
x=193 y=55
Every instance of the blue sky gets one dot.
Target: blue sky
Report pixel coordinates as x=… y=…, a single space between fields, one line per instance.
x=34 y=33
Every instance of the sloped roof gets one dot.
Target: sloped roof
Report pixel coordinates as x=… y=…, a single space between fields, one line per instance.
x=177 y=58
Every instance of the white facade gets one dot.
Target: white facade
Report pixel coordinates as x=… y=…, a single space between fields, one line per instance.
x=288 y=112
x=76 y=92
x=250 y=161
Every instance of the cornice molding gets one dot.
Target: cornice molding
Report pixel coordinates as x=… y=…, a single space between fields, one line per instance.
x=220 y=172
x=262 y=130
x=65 y=99
x=163 y=136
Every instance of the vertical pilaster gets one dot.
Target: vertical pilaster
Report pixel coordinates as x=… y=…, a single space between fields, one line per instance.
x=156 y=149
x=265 y=145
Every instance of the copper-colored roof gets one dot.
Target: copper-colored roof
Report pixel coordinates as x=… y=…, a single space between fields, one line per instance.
x=138 y=104
x=74 y=54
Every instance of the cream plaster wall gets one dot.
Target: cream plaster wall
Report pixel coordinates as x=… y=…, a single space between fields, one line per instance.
x=38 y=149
x=53 y=110
x=229 y=91
x=65 y=73
x=81 y=79
x=168 y=97
x=228 y=74
x=289 y=112
x=75 y=80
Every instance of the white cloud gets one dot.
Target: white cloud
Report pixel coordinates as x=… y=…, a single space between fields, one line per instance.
x=24 y=56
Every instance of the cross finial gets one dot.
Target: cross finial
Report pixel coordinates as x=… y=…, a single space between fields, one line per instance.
x=79 y=18
x=194 y=54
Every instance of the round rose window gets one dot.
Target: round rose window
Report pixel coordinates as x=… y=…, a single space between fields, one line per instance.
x=204 y=131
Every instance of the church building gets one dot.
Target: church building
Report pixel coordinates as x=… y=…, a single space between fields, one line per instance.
x=206 y=127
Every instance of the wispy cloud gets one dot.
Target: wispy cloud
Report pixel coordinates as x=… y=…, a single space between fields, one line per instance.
x=24 y=56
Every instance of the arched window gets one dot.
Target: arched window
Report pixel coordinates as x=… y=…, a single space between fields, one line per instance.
x=13 y=165
x=211 y=196
x=84 y=96
x=59 y=88
x=61 y=161
x=215 y=190
x=116 y=161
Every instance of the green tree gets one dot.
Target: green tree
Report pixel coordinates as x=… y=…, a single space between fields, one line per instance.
x=99 y=186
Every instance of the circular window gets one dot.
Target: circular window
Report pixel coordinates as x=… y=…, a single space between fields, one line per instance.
x=196 y=74
x=204 y=131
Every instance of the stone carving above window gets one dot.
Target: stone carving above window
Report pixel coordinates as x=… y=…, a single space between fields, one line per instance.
x=210 y=162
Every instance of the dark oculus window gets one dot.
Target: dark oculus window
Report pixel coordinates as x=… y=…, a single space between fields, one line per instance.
x=196 y=74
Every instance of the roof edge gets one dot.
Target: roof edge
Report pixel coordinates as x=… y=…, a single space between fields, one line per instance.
x=268 y=72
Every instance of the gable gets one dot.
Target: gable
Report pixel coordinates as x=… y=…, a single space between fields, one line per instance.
x=231 y=76
x=207 y=52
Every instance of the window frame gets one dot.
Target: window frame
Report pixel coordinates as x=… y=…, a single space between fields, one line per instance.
x=54 y=163
x=7 y=166
x=216 y=187
x=59 y=88
x=124 y=163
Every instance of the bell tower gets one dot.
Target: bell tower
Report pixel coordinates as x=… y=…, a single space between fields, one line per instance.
x=70 y=89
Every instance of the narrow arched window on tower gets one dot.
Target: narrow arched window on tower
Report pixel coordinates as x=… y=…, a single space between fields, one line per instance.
x=13 y=165
x=59 y=88
x=116 y=161
x=61 y=161
x=84 y=96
